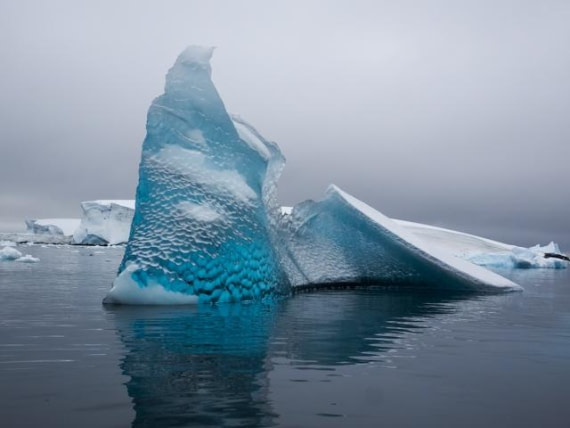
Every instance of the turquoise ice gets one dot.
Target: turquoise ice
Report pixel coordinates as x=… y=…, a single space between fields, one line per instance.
x=202 y=229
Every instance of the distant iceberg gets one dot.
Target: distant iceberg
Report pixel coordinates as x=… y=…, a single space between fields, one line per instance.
x=9 y=254
x=104 y=222
x=207 y=227
x=53 y=226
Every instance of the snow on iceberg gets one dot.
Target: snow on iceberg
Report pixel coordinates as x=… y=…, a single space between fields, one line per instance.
x=104 y=222
x=342 y=240
x=458 y=243
x=486 y=252
x=202 y=229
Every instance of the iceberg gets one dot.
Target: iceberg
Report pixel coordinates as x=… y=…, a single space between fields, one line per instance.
x=342 y=240
x=11 y=254
x=53 y=226
x=34 y=238
x=207 y=228
x=202 y=229
x=54 y=231
x=104 y=222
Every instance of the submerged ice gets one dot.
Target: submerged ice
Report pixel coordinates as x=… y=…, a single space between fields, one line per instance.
x=207 y=228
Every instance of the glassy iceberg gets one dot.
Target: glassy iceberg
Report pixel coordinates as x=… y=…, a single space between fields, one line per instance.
x=207 y=227
x=202 y=229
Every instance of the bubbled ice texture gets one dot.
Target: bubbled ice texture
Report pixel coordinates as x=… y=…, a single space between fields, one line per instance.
x=201 y=225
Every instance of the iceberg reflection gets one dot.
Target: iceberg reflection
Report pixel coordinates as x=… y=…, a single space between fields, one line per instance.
x=210 y=365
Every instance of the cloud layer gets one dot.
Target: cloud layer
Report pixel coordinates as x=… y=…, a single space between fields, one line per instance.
x=454 y=113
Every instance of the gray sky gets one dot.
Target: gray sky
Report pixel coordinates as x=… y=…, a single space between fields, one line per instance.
x=454 y=113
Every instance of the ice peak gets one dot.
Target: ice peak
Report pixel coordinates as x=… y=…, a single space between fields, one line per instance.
x=196 y=55
x=190 y=75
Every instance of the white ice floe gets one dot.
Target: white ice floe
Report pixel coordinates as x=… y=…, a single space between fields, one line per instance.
x=28 y=259
x=11 y=254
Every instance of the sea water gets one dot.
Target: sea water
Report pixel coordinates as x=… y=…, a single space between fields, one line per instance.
x=375 y=356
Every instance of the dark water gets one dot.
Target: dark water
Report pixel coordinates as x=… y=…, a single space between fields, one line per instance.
x=368 y=357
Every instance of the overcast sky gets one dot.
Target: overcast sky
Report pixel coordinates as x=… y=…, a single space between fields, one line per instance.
x=454 y=113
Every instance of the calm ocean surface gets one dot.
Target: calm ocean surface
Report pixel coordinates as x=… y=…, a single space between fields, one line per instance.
x=354 y=358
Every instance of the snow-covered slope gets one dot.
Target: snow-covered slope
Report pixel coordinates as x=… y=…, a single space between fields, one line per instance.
x=104 y=222
x=459 y=243
x=342 y=239
x=486 y=252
